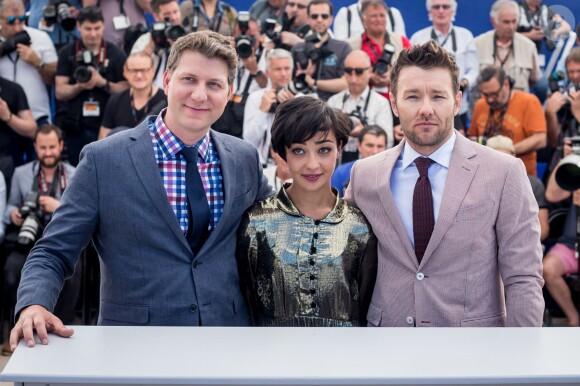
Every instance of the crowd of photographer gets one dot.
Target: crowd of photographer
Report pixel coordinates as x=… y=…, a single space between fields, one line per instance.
x=92 y=68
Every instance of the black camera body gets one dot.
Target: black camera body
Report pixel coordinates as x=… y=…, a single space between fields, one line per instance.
x=384 y=62
x=57 y=11
x=32 y=212
x=83 y=74
x=554 y=80
x=357 y=115
x=162 y=32
x=9 y=45
x=244 y=42
x=269 y=29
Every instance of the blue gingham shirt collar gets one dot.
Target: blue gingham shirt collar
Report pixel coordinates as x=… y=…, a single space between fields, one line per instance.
x=170 y=145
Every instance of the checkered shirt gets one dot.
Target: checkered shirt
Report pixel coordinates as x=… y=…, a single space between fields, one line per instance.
x=172 y=167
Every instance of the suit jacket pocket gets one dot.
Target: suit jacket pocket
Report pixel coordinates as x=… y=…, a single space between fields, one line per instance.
x=374 y=316
x=124 y=313
x=488 y=321
x=474 y=212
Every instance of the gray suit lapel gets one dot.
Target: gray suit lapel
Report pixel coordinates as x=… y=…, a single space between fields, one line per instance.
x=383 y=178
x=229 y=181
x=461 y=173
x=143 y=159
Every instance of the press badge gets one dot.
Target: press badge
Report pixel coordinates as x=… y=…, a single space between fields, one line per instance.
x=121 y=22
x=91 y=109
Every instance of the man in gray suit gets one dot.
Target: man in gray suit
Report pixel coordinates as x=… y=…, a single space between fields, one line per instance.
x=166 y=247
x=457 y=223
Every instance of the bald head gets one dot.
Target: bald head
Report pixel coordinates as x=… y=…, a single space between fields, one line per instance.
x=357 y=58
x=357 y=68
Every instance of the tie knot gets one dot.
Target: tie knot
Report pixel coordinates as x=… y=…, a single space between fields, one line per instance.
x=423 y=165
x=190 y=154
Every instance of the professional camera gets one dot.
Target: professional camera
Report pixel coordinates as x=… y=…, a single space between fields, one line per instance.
x=9 y=45
x=269 y=29
x=82 y=73
x=162 y=32
x=384 y=62
x=32 y=213
x=57 y=11
x=568 y=174
x=244 y=42
x=554 y=80
x=355 y=116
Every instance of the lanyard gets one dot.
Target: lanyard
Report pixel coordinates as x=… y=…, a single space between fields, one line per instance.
x=493 y=127
x=496 y=54
x=14 y=63
x=371 y=45
x=217 y=19
x=144 y=108
x=58 y=181
x=453 y=39
x=532 y=17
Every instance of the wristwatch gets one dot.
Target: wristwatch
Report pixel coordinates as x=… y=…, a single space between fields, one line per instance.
x=257 y=74
x=40 y=66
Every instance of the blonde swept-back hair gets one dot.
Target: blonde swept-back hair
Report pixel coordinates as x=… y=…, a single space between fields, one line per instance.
x=208 y=43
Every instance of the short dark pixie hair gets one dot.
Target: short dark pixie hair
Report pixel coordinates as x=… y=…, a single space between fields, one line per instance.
x=299 y=119
x=426 y=56
x=90 y=14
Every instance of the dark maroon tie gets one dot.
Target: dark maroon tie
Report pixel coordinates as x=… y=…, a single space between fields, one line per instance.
x=423 y=217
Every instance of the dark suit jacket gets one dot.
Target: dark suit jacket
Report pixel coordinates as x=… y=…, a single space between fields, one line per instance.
x=149 y=276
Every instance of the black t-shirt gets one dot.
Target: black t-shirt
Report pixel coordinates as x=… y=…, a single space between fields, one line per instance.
x=120 y=112
x=13 y=94
x=111 y=68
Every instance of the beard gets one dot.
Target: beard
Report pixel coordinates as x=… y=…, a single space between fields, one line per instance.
x=49 y=162
x=433 y=139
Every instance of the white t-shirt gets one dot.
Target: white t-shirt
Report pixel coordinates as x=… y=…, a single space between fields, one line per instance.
x=17 y=70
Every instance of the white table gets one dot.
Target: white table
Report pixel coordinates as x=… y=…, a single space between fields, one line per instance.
x=301 y=356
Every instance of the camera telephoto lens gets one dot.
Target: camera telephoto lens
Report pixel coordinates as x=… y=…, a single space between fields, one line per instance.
x=244 y=46
x=82 y=74
x=65 y=18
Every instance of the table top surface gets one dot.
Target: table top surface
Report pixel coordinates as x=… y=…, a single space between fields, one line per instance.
x=180 y=355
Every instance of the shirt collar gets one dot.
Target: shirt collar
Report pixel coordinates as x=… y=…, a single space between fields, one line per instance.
x=442 y=156
x=439 y=34
x=362 y=96
x=170 y=145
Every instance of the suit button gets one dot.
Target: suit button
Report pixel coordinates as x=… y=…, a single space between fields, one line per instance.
x=312 y=291
x=313 y=305
x=312 y=277
x=312 y=250
x=317 y=222
x=311 y=261
x=194 y=264
x=315 y=235
x=410 y=320
x=193 y=308
x=420 y=276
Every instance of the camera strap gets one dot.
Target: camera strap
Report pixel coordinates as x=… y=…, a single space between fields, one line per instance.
x=365 y=107
x=533 y=18
x=101 y=57
x=14 y=64
x=217 y=19
x=492 y=126
x=372 y=44
x=453 y=39
x=496 y=55
x=58 y=182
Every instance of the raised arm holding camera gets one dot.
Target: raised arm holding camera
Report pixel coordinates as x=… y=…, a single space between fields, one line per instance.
x=89 y=70
x=320 y=59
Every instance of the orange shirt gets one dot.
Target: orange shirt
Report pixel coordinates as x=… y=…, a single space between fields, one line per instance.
x=524 y=117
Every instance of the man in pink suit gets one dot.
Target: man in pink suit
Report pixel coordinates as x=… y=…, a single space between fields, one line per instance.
x=457 y=223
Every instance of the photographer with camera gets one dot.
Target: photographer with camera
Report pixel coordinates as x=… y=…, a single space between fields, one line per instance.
x=563 y=106
x=538 y=22
x=35 y=194
x=249 y=77
x=382 y=46
x=320 y=58
x=363 y=105
x=297 y=23
x=58 y=18
x=562 y=259
x=267 y=9
x=214 y=15
x=89 y=71
x=512 y=113
x=166 y=29
x=27 y=57
x=261 y=104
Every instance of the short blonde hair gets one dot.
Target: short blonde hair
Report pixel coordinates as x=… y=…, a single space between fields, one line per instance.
x=501 y=142
x=207 y=43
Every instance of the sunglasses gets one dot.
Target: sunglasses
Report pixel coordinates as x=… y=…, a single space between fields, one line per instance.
x=299 y=6
x=357 y=71
x=315 y=16
x=12 y=19
x=441 y=6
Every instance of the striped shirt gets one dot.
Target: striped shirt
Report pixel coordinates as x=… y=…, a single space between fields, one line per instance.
x=172 y=167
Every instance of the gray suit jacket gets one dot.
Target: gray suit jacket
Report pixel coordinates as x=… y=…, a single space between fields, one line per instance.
x=486 y=240
x=149 y=276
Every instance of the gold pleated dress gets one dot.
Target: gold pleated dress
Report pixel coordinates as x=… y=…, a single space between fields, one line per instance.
x=297 y=271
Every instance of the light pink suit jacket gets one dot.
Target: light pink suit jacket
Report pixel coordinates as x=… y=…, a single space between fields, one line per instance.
x=487 y=233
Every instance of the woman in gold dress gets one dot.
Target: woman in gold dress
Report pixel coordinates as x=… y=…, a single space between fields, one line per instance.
x=305 y=256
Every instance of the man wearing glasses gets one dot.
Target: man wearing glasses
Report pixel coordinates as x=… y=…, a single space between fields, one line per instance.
x=141 y=99
x=89 y=71
x=325 y=75
x=31 y=65
x=364 y=106
x=511 y=113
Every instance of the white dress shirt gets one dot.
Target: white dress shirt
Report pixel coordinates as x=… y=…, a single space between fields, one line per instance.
x=341 y=25
x=465 y=54
x=257 y=125
x=405 y=174
x=378 y=112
